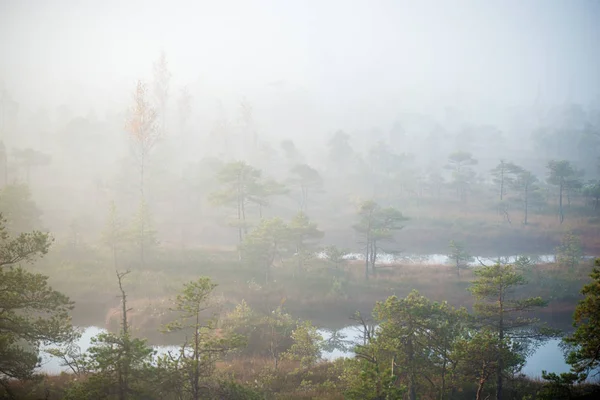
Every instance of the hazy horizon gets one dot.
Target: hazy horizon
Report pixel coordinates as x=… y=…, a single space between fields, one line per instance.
x=344 y=63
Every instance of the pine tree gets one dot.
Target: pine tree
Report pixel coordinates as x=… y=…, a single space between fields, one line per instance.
x=376 y=225
x=584 y=343
x=198 y=356
x=503 y=313
x=459 y=256
x=303 y=235
x=31 y=312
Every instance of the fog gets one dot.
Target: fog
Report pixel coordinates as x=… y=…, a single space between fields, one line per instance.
x=249 y=180
x=414 y=76
x=338 y=56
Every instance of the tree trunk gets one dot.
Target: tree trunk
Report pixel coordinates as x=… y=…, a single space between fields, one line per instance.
x=373 y=256
x=500 y=360
x=367 y=258
x=304 y=199
x=142 y=214
x=369 y=244
x=480 y=389
x=123 y=367
x=196 y=373
x=443 y=389
x=560 y=203
x=114 y=246
x=239 y=215
x=458 y=267
x=526 y=205
x=412 y=390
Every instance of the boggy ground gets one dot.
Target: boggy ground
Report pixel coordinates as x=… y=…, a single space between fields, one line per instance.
x=322 y=293
x=291 y=382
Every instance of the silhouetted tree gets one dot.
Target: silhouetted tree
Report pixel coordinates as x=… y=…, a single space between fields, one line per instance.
x=241 y=186
x=308 y=179
x=269 y=240
x=460 y=164
x=564 y=176
x=376 y=224
x=503 y=178
x=525 y=185
x=592 y=192
x=303 y=235
x=249 y=138
x=291 y=152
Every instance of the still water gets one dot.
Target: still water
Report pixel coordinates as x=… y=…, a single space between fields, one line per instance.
x=547 y=357
x=441 y=259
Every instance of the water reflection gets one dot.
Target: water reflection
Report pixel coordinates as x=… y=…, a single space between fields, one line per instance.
x=547 y=357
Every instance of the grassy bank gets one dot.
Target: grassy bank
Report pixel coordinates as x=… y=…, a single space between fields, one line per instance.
x=323 y=293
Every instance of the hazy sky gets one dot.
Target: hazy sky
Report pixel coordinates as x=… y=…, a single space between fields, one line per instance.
x=351 y=54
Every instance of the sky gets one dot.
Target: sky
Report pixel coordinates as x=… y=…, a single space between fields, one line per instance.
x=349 y=57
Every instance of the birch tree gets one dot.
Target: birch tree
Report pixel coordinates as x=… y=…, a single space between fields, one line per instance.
x=162 y=78
x=144 y=131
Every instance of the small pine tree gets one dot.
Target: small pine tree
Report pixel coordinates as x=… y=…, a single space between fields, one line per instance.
x=307 y=343
x=584 y=343
x=197 y=358
x=502 y=313
x=569 y=252
x=459 y=256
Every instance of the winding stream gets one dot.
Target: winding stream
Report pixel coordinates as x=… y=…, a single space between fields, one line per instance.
x=547 y=357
